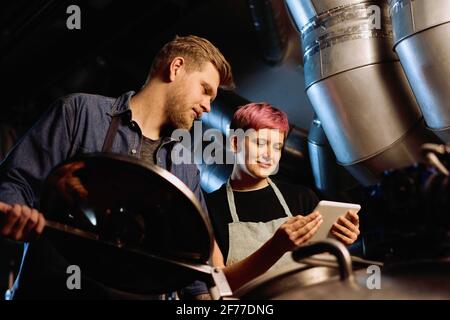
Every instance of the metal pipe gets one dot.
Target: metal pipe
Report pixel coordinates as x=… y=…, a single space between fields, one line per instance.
x=331 y=179
x=422 y=41
x=332 y=246
x=357 y=86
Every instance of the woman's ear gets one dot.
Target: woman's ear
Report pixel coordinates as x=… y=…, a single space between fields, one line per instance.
x=234 y=144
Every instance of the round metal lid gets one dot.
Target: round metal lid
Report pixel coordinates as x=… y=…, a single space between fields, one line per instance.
x=125 y=222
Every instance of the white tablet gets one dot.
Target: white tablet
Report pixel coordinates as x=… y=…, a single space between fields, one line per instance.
x=330 y=212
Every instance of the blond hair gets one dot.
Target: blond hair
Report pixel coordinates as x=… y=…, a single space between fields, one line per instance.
x=196 y=51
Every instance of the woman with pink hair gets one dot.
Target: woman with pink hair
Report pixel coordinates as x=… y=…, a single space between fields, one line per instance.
x=257 y=221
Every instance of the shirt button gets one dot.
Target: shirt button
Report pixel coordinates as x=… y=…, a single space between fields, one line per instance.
x=133 y=151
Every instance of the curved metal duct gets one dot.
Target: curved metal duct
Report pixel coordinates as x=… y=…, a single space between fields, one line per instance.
x=357 y=86
x=330 y=178
x=295 y=165
x=422 y=42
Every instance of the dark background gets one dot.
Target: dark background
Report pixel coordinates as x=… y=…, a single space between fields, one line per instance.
x=41 y=59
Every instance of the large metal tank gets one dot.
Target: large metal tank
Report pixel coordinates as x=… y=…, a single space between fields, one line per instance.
x=422 y=41
x=357 y=86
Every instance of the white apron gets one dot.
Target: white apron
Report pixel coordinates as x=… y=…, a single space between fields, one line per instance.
x=247 y=237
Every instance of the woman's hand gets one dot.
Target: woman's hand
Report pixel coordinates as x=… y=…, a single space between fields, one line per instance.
x=296 y=230
x=346 y=228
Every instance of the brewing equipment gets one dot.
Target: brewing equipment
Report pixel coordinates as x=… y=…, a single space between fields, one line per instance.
x=421 y=32
x=357 y=86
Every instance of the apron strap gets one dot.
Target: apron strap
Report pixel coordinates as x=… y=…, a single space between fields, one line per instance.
x=111 y=134
x=112 y=130
x=232 y=204
x=280 y=197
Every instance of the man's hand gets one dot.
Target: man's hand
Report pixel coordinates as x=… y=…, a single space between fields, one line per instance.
x=297 y=230
x=69 y=185
x=346 y=228
x=20 y=223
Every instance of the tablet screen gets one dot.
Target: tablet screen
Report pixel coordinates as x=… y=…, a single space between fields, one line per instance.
x=331 y=211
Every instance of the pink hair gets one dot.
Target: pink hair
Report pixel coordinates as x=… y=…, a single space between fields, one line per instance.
x=260 y=116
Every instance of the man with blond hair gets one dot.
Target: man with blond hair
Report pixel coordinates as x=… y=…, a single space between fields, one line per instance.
x=181 y=85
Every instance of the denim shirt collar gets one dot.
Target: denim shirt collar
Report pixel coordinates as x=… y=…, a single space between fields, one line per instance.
x=121 y=107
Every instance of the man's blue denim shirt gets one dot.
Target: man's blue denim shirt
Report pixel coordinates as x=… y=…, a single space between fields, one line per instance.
x=73 y=125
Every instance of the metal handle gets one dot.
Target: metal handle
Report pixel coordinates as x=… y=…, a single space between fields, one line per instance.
x=332 y=246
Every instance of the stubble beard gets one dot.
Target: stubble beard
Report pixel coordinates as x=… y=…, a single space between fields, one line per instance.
x=178 y=112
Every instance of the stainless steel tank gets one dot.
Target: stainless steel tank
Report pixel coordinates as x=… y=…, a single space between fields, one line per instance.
x=357 y=86
x=422 y=41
